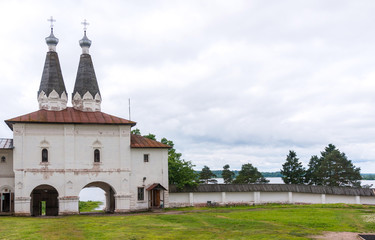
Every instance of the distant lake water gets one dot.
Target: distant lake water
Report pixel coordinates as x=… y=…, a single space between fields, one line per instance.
x=271 y=179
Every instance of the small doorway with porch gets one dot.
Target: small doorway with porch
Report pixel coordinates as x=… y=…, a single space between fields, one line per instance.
x=6 y=200
x=156 y=196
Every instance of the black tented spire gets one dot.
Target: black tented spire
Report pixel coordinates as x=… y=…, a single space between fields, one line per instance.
x=86 y=95
x=52 y=93
x=52 y=78
x=86 y=78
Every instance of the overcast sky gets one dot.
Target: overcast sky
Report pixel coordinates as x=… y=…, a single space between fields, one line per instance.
x=230 y=82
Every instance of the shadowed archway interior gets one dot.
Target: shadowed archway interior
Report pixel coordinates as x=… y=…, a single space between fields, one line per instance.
x=44 y=201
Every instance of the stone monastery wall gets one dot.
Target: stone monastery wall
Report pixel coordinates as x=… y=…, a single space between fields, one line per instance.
x=222 y=194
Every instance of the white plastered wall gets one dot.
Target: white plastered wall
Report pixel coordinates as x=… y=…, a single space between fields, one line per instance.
x=154 y=171
x=307 y=198
x=71 y=164
x=6 y=170
x=233 y=198
x=202 y=198
x=339 y=199
x=239 y=197
x=274 y=197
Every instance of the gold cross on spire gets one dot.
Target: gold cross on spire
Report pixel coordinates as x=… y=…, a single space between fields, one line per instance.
x=85 y=24
x=52 y=21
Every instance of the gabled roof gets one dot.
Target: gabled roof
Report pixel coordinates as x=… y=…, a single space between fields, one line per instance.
x=156 y=186
x=6 y=143
x=137 y=141
x=68 y=116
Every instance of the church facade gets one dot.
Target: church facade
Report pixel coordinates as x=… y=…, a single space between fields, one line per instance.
x=58 y=150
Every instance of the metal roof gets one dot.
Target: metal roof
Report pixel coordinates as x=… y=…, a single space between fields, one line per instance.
x=68 y=116
x=6 y=143
x=137 y=141
x=276 y=188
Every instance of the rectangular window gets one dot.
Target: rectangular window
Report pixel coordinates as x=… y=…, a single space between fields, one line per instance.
x=141 y=194
x=145 y=157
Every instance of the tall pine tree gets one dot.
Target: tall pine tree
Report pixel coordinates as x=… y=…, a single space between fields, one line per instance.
x=293 y=172
x=334 y=169
x=227 y=174
x=313 y=172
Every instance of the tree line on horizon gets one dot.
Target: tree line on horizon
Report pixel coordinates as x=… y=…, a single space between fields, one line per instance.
x=332 y=168
x=277 y=174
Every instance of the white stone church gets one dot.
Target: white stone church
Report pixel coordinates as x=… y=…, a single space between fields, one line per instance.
x=58 y=150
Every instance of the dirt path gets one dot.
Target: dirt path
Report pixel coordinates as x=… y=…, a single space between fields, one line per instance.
x=338 y=236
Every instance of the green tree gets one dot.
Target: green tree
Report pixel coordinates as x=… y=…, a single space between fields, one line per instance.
x=293 y=172
x=249 y=174
x=312 y=176
x=333 y=169
x=150 y=136
x=180 y=172
x=206 y=175
x=136 y=131
x=227 y=174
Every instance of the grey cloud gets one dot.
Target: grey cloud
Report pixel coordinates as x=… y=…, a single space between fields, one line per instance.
x=227 y=81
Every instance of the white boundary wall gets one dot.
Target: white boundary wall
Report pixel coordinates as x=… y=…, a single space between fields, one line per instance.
x=185 y=199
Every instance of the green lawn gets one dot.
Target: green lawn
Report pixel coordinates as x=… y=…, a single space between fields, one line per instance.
x=89 y=206
x=258 y=222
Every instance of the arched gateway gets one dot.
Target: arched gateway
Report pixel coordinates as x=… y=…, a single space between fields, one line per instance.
x=109 y=194
x=44 y=201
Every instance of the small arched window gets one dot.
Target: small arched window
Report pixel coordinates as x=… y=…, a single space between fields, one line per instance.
x=3 y=159
x=96 y=155
x=44 y=155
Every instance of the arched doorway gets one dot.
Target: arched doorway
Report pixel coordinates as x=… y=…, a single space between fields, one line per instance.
x=44 y=201
x=109 y=194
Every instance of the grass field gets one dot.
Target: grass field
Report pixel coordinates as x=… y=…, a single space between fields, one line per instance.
x=256 y=222
x=89 y=206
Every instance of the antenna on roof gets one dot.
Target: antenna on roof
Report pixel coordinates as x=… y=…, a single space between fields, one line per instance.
x=129 y=111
